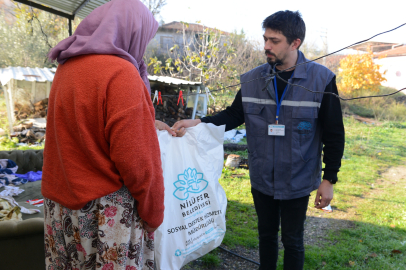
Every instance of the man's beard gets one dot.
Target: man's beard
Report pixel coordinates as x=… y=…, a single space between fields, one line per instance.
x=276 y=61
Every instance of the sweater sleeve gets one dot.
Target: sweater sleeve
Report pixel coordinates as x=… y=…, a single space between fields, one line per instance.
x=333 y=136
x=134 y=148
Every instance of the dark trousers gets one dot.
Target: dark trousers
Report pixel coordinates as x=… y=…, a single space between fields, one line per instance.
x=292 y=215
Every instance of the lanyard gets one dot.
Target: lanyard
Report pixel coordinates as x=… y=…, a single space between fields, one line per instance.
x=279 y=102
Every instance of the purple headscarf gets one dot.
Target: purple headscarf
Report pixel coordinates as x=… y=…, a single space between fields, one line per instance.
x=120 y=27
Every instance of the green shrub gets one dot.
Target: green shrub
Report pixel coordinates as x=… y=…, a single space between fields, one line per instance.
x=391 y=108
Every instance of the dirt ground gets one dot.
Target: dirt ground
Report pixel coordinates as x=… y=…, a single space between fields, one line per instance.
x=316 y=226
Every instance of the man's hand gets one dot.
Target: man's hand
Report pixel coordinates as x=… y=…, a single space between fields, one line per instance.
x=162 y=126
x=180 y=126
x=324 y=195
x=147 y=227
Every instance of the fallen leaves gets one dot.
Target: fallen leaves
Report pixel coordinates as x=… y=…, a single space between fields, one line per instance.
x=372 y=255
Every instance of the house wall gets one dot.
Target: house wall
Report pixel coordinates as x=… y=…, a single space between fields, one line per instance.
x=165 y=40
x=395 y=71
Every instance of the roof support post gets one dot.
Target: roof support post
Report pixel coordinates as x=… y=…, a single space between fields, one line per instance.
x=10 y=111
x=70 y=26
x=188 y=96
x=48 y=89
x=196 y=101
x=33 y=92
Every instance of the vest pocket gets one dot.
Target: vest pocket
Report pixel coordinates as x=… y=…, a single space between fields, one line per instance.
x=255 y=120
x=304 y=121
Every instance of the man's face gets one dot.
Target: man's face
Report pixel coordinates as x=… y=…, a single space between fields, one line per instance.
x=276 y=47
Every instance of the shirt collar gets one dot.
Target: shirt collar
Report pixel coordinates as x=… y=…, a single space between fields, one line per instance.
x=300 y=71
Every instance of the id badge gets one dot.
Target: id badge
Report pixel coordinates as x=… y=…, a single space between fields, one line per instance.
x=276 y=130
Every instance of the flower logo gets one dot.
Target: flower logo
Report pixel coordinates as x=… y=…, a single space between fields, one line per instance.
x=189 y=182
x=178 y=253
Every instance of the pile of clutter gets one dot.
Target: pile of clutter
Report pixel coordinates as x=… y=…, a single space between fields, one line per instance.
x=36 y=110
x=28 y=133
x=11 y=181
x=169 y=110
x=234 y=136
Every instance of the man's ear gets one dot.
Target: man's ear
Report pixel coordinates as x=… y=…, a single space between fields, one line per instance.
x=295 y=44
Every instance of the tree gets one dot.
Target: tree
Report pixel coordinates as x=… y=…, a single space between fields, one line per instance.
x=311 y=50
x=28 y=34
x=248 y=55
x=154 y=6
x=204 y=56
x=211 y=56
x=358 y=72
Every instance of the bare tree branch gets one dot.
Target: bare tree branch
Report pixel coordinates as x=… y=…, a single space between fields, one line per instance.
x=34 y=16
x=154 y=6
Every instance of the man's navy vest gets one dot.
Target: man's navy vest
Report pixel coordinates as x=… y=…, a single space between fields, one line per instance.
x=286 y=167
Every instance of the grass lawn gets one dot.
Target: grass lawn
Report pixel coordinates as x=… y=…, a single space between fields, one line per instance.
x=7 y=144
x=370 y=194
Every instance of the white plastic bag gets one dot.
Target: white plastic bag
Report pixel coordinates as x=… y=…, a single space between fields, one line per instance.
x=195 y=203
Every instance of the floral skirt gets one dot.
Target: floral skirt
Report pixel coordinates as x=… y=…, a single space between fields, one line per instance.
x=105 y=234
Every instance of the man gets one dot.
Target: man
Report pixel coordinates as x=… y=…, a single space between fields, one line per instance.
x=287 y=127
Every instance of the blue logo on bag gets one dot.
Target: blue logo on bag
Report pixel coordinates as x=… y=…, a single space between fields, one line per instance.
x=189 y=182
x=304 y=126
x=178 y=253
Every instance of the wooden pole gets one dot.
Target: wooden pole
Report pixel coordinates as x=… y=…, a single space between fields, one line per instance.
x=70 y=27
x=48 y=89
x=10 y=114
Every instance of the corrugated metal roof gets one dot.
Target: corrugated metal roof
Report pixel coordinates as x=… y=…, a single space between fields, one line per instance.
x=70 y=7
x=26 y=74
x=170 y=80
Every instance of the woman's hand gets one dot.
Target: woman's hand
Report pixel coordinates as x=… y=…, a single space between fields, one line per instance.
x=180 y=126
x=162 y=126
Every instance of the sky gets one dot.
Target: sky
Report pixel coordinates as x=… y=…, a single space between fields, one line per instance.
x=346 y=22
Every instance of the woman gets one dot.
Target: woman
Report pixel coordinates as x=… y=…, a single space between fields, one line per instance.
x=102 y=176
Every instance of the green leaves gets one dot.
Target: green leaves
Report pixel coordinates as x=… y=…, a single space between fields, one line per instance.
x=156 y=64
x=27 y=36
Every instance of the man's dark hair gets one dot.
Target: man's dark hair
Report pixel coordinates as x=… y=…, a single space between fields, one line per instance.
x=289 y=23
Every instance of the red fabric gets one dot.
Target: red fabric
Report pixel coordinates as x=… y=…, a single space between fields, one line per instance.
x=101 y=135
